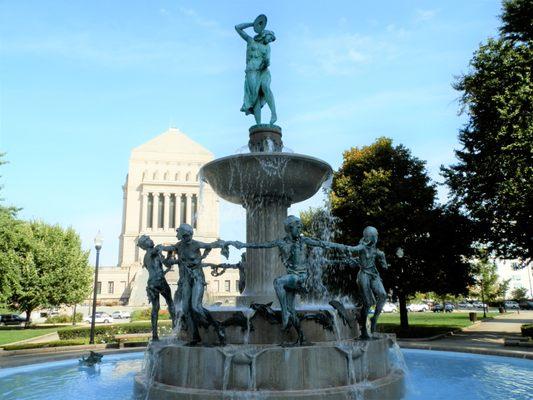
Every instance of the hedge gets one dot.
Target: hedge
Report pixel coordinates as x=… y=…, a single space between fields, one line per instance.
x=145 y=315
x=56 y=343
x=527 y=330
x=63 y=318
x=106 y=333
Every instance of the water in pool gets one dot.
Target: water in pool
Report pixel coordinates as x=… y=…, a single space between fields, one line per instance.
x=432 y=375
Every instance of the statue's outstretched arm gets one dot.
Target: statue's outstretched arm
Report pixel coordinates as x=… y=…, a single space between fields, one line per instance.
x=329 y=245
x=264 y=245
x=240 y=30
x=382 y=260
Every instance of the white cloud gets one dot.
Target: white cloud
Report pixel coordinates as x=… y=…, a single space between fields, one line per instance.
x=424 y=15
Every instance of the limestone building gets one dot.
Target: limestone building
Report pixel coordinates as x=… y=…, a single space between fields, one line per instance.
x=163 y=190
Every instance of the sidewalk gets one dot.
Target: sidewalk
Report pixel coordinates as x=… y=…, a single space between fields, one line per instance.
x=485 y=337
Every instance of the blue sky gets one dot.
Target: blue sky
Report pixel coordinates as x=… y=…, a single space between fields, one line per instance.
x=82 y=83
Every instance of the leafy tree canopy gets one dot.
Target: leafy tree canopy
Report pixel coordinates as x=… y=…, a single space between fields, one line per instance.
x=385 y=186
x=45 y=263
x=487 y=283
x=493 y=179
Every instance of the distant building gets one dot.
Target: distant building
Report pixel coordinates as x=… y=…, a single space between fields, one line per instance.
x=518 y=277
x=163 y=190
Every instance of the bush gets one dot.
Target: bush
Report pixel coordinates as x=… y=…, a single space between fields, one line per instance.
x=106 y=333
x=145 y=314
x=527 y=330
x=56 y=343
x=63 y=318
x=416 y=331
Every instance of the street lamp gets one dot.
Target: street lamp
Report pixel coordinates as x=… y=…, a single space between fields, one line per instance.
x=98 y=240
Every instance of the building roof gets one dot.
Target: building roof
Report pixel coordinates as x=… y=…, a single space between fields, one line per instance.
x=172 y=141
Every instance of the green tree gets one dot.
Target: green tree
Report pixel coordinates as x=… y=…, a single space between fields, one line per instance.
x=55 y=270
x=385 y=186
x=493 y=179
x=519 y=293
x=488 y=286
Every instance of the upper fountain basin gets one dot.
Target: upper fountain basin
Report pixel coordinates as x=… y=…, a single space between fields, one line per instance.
x=253 y=177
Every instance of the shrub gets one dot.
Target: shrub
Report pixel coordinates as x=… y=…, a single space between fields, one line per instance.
x=106 y=333
x=145 y=314
x=56 y=343
x=63 y=318
x=527 y=330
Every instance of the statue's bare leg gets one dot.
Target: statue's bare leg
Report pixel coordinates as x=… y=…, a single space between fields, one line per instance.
x=269 y=97
x=155 y=315
x=257 y=112
x=381 y=298
x=171 y=308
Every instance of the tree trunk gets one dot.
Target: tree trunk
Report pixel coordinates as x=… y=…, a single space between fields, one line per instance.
x=74 y=315
x=404 y=319
x=28 y=317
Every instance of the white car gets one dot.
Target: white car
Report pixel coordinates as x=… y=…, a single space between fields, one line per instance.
x=121 y=315
x=390 y=307
x=100 y=318
x=418 y=307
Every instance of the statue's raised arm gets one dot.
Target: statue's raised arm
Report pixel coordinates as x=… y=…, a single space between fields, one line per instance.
x=240 y=30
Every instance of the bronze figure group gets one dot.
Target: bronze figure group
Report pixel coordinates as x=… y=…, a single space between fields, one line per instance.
x=188 y=254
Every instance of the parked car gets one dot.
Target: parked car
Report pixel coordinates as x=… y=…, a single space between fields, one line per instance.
x=11 y=319
x=418 y=307
x=511 y=305
x=100 y=318
x=479 y=304
x=465 y=304
x=439 y=308
x=121 y=315
x=390 y=307
x=526 y=305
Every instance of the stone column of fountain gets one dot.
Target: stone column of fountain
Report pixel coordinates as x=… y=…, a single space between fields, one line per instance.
x=265 y=182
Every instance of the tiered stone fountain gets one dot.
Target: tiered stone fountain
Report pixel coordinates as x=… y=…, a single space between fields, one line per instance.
x=252 y=364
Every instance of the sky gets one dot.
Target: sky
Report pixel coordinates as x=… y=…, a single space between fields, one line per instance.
x=83 y=83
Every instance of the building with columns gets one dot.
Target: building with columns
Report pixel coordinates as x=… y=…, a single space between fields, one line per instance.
x=161 y=191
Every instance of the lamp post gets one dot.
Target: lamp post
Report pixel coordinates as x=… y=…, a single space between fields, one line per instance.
x=97 y=245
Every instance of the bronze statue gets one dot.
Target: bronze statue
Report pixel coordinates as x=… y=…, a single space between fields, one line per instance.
x=157 y=284
x=191 y=282
x=368 y=279
x=257 y=79
x=293 y=248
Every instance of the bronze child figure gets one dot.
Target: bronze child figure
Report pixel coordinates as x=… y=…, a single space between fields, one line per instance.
x=157 y=284
x=192 y=283
x=368 y=279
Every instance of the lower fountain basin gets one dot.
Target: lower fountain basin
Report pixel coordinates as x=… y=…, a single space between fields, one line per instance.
x=327 y=370
x=245 y=178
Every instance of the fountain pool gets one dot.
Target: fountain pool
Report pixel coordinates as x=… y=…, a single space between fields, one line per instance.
x=432 y=375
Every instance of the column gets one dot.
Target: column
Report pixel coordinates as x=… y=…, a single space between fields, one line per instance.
x=166 y=213
x=177 y=212
x=189 y=207
x=144 y=210
x=155 y=215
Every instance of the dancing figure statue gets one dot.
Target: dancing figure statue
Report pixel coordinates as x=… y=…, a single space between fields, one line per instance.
x=191 y=283
x=157 y=284
x=293 y=249
x=368 y=279
x=257 y=76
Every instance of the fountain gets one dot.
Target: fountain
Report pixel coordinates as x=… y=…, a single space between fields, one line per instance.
x=251 y=364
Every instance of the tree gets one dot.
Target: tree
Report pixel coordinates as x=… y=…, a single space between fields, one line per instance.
x=493 y=179
x=385 y=186
x=519 y=293
x=487 y=285
x=51 y=268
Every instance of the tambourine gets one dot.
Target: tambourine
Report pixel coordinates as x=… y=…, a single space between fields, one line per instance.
x=260 y=23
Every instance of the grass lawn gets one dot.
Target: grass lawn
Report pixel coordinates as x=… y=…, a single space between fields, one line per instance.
x=14 y=335
x=426 y=324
